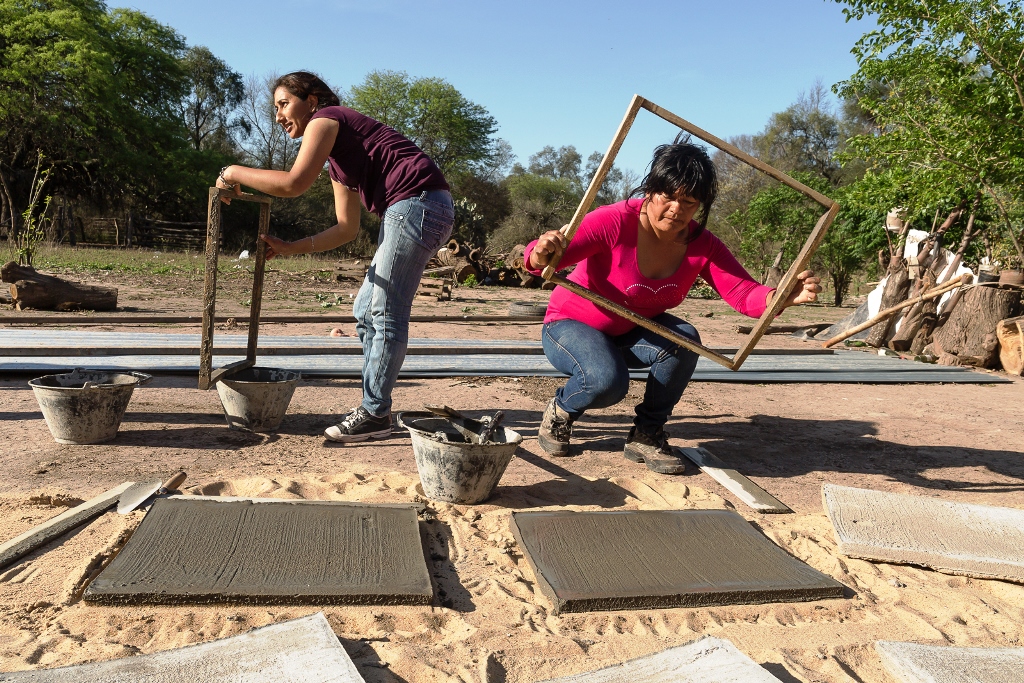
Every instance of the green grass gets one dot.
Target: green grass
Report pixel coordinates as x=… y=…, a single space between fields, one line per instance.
x=69 y=259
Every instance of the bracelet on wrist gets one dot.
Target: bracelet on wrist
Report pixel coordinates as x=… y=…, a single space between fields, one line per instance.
x=220 y=177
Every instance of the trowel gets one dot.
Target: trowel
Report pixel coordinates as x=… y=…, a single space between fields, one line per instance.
x=475 y=431
x=138 y=494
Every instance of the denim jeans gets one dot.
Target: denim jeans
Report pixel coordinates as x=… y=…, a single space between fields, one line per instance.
x=411 y=232
x=599 y=367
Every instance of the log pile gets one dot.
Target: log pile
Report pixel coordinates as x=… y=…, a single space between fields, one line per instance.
x=32 y=289
x=975 y=326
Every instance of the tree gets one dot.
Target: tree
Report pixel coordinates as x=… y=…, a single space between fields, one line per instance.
x=264 y=142
x=214 y=93
x=452 y=130
x=943 y=81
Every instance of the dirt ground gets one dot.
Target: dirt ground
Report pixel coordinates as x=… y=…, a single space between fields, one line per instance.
x=489 y=621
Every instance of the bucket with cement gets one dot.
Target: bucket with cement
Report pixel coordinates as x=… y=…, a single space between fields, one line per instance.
x=256 y=399
x=85 y=406
x=452 y=467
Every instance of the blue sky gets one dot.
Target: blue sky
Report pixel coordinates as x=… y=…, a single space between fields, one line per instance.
x=551 y=73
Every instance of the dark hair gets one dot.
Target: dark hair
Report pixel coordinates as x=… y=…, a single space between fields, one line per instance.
x=302 y=84
x=682 y=166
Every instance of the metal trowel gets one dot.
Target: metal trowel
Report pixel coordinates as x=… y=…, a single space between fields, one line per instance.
x=138 y=494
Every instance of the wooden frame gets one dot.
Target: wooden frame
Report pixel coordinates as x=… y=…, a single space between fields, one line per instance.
x=785 y=287
x=208 y=377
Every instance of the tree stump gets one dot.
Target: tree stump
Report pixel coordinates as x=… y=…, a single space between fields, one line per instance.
x=1010 y=333
x=32 y=289
x=969 y=335
x=894 y=292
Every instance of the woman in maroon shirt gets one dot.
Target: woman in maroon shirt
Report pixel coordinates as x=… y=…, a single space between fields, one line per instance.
x=373 y=164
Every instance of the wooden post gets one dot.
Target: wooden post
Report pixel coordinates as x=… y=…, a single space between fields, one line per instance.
x=256 y=300
x=785 y=287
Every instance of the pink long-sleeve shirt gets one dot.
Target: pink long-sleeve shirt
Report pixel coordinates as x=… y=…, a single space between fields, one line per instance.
x=604 y=247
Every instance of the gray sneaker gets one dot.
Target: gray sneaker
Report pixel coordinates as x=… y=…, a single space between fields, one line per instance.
x=555 y=430
x=654 y=451
x=360 y=425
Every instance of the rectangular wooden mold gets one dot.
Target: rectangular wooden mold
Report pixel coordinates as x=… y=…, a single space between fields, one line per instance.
x=650 y=559
x=785 y=287
x=207 y=376
x=281 y=552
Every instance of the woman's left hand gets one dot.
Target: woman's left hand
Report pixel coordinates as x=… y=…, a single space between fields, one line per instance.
x=806 y=290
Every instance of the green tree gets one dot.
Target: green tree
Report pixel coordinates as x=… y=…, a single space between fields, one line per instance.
x=214 y=91
x=943 y=81
x=455 y=132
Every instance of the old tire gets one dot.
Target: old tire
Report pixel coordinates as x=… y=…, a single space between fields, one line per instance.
x=527 y=309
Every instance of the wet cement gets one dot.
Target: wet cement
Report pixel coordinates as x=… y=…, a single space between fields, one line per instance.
x=298 y=651
x=586 y=561
x=707 y=660
x=914 y=663
x=956 y=538
x=297 y=552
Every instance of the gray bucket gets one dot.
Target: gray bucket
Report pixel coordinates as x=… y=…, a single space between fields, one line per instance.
x=452 y=469
x=256 y=399
x=85 y=406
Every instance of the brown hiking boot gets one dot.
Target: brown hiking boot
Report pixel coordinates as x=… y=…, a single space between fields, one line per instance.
x=654 y=451
x=555 y=430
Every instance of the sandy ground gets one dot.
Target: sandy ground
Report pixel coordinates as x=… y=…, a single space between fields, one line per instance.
x=489 y=621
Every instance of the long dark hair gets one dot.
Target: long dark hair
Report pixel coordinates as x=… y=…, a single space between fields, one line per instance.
x=682 y=166
x=302 y=84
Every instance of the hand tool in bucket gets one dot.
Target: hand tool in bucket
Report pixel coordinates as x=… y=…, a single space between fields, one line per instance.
x=138 y=494
x=475 y=431
x=208 y=377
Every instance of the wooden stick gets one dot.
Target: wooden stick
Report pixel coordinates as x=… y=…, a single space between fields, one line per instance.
x=16 y=548
x=786 y=286
x=598 y=179
x=881 y=315
x=256 y=301
x=213 y=216
x=637 y=319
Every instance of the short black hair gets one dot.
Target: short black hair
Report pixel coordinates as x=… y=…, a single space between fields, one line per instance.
x=685 y=166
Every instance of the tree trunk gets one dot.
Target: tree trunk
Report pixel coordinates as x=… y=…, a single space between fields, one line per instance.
x=1010 y=333
x=895 y=291
x=31 y=289
x=969 y=335
x=775 y=272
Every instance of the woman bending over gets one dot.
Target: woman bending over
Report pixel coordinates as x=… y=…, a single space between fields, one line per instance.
x=373 y=164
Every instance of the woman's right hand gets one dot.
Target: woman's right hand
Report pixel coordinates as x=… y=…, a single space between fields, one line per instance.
x=276 y=246
x=550 y=247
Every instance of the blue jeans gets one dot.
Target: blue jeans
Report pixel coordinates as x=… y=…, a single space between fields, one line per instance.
x=411 y=232
x=599 y=367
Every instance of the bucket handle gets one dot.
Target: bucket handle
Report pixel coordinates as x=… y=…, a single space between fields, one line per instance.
x=141 y=377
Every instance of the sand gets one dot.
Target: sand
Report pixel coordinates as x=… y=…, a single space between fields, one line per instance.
x=490 y=622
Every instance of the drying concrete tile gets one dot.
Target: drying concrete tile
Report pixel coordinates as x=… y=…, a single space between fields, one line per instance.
x=298 y=651
x=269 y=552
x=587 y=561
x=913 y=663
x=956 y=538
x=708 y=660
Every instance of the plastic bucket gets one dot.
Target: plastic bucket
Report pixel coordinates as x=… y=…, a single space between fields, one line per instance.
x=85 y=406
x=451 y=469
x=256 y=399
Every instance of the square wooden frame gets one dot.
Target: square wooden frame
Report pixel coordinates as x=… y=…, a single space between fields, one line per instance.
x=785 y=287
x=208 y=377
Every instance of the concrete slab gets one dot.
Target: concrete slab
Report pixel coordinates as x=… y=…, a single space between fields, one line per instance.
x=956 y=538
x=914 y=663
x=586 y=561
x=298 y=651
x=313 y=552
x=708 y=660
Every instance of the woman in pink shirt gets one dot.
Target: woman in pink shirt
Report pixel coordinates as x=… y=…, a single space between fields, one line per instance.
x=645 y=254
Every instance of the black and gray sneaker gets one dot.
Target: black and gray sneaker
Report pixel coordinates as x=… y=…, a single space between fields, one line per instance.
x=555 y=430
x=654 y=451
x=360 y=425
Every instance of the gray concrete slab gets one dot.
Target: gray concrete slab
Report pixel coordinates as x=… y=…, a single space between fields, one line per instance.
x=586 y=561
x=956 y=538
x=298 y=651
x=315 y=552
x=708 y=660
x=914 y=663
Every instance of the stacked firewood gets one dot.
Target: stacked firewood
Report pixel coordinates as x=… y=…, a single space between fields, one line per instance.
x=968 y=328
x=32 y=289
